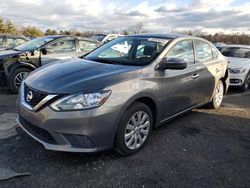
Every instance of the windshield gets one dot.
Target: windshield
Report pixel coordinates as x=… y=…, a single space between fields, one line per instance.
x=238 y=52
x=137 y=51
x=34 y=44
x=99 y=37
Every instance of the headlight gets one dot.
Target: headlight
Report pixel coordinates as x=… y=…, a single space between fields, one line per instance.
x=80 y=101
x=237 y=70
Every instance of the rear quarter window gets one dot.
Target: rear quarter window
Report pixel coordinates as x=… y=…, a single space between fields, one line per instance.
x=215 y=52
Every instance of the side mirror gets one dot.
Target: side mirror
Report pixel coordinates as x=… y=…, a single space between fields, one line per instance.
x=173 y=64
x=44 y=51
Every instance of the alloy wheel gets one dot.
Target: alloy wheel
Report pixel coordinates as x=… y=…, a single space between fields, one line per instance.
x=19 y=78
x=247 y=83
x=137 y=130
x=219 y=92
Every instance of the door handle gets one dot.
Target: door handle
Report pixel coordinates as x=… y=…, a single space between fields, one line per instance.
x=217 y=70
x=195 y=76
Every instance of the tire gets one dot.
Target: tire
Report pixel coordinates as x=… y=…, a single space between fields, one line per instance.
x=246 y=84
x=17 y=76
x=125 y=146
x=217 y=97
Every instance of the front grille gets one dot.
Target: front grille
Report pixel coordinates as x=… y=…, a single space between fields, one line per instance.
x=32 y=96
x=79 y=141
x=1 y=66
x=2 y=79
x=37 y=131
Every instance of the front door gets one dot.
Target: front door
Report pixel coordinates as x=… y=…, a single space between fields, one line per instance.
x=180 y=87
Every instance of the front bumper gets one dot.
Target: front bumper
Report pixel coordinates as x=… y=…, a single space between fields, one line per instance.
x=79 y=131
x=2 y=78
x=237 y=79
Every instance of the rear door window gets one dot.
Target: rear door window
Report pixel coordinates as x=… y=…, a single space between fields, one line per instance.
x=204 y=51
x=1 y=41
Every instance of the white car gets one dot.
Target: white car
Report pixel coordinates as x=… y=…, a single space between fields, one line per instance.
x=239 y=66
x=106 y=38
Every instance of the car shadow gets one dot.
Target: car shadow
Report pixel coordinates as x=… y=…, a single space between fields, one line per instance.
x=202 y=140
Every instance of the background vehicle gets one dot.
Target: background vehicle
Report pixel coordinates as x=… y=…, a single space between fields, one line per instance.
x=16 y=64
x=115 y=96
x=239 y=67
x=106 y=38
x=10 y=41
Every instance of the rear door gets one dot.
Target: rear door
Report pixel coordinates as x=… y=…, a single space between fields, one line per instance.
x=207 y=68
x=64 y=48
x=180 y=87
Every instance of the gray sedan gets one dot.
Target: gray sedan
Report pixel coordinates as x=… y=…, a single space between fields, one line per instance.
x=116 y=95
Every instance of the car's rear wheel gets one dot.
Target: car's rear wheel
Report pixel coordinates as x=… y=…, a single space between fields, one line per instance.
x=246 y=84
x=134 y=129
x=217 y=97
x=16 y=78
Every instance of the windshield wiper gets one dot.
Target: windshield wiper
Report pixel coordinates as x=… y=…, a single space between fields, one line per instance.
x=15 y=49
x=106 y=61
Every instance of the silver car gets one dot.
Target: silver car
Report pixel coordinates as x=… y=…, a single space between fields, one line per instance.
x=239 y=66
x=10 y=41
x=116 y=95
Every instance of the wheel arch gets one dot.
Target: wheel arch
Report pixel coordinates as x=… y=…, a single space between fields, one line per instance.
x=225 y=81
x=151 y=104
x=18 y=65
x=148 y=99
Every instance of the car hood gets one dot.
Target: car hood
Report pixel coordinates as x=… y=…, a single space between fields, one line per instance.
x=238 y=62
x=77 y=75
x=9 y=54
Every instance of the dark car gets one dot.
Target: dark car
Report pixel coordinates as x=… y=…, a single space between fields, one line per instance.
x=17 y=63
x=119 y=92
x=10 y=41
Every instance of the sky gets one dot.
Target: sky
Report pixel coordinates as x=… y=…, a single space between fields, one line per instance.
x=210 y=16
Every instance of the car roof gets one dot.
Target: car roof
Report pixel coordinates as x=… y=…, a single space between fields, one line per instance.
x=72 y=36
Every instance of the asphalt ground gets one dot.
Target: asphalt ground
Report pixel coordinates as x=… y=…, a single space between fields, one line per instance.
x=204 y=148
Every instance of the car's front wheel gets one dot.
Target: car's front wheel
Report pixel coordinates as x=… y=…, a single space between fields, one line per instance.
x=134 y=129
x=16 y=77
x=217 y=97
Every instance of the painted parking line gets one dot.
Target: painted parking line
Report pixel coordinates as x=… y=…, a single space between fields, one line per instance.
x=8 y=125
x=6 y=173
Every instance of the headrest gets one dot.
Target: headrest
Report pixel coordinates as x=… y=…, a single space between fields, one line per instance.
x=149 y=50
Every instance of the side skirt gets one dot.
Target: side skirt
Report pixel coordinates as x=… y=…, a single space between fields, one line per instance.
x=181 y=113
